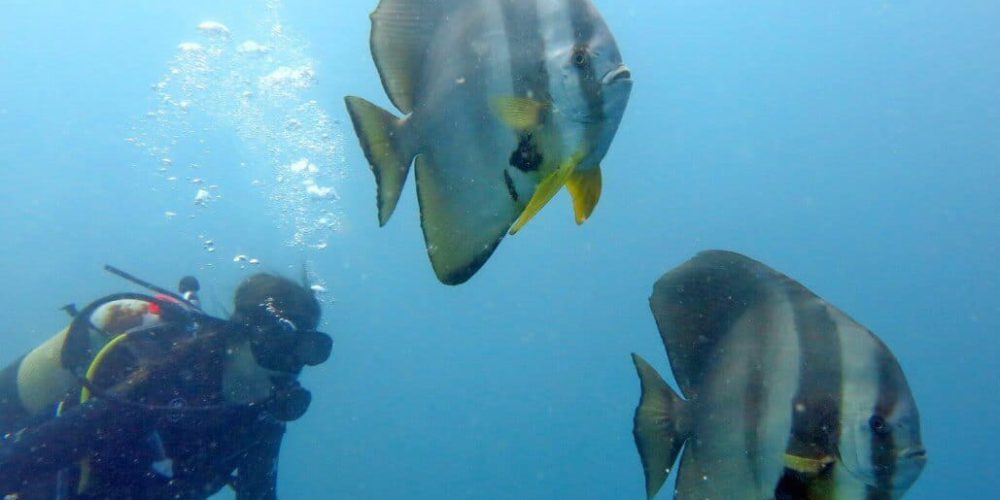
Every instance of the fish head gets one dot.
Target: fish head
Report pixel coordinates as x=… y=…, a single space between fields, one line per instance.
x=881 y=445
x=592 y=87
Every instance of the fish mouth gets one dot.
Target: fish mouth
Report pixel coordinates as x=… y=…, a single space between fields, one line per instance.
x=621 y=73
x=916 y=454
x=909 y=463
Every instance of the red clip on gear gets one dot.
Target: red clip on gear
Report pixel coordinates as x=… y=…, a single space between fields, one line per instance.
x=155 y=309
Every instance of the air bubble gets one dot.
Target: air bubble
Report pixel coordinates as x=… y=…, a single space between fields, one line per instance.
x=255 y=84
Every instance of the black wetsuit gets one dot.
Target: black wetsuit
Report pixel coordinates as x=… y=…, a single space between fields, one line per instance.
x=209 y=443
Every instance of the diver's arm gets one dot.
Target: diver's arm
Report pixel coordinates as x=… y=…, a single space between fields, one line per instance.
x=258 y=471
x=40 y=451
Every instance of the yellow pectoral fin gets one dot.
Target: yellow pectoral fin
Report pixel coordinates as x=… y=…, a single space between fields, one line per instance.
x=807 y=465
x=519 y=113
x=585 y=187
x=546 y=190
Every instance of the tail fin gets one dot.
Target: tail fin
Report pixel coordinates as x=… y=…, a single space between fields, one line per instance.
x=387 y=148
x=660 y=426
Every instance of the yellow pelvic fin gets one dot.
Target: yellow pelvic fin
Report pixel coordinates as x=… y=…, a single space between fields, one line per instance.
x=546 y=190
x=519 y=113
x=807 y=465
x=585 y=187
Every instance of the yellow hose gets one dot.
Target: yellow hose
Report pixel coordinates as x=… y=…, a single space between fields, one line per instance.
x=97 y=362
x=85 y=395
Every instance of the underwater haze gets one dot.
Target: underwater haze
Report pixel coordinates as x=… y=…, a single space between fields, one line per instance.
x=853 y=145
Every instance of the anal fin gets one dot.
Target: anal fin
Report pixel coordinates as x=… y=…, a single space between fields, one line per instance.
x=462 y=227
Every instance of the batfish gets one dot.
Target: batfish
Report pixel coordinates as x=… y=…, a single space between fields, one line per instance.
x=785 y=396
x=505 y=102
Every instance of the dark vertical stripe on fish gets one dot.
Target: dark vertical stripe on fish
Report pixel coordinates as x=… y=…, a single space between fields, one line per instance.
x=882 y=445
x=816 y=406
x=529 y=76
x=582 y=20
x=526 y=47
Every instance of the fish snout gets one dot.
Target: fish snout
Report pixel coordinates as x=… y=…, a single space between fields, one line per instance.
x=916 y=454
x=910 y=463
x=621 y=73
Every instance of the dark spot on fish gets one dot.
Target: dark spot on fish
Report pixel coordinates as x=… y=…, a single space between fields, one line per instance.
x=510 y=186
x=792 y=486
x=798 y=485
x=526 y=157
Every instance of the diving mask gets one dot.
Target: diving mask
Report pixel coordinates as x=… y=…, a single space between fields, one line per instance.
x=282 y=347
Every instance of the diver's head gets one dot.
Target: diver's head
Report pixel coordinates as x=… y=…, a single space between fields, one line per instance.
x=275 y=321
x=280 y=318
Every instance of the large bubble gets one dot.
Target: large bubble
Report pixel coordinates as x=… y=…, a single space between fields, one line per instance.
x=248 y=91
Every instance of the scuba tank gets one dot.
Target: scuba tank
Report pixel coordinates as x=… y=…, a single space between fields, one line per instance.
x=34 y=384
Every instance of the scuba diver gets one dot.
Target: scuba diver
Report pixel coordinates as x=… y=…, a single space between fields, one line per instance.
x=147 y=396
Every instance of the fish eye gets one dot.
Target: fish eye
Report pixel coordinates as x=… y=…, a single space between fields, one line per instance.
x=580 y=57
x=878 y=425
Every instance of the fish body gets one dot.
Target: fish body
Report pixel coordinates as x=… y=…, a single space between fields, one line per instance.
x=785 y=396
x=505 y=102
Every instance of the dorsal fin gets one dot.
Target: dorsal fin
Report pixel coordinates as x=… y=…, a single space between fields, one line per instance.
x=402 y=31
x=696 y=304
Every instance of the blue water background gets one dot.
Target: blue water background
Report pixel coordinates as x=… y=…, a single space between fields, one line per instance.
x=853 y=145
